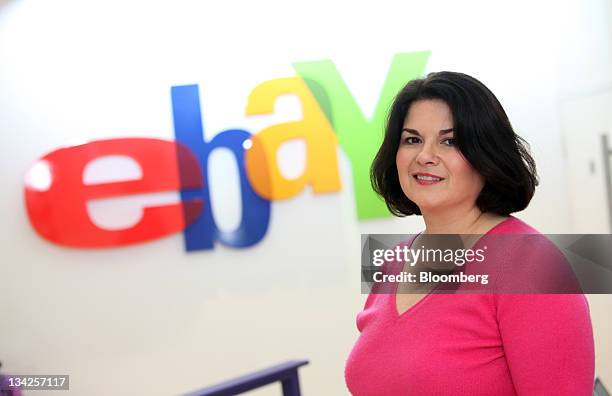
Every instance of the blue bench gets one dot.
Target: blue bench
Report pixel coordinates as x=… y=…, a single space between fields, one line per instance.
x=286 y=373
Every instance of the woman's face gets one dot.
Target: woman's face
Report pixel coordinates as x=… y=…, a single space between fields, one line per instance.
x=432 y=171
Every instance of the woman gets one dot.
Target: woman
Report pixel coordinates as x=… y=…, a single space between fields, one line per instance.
x=451 y=155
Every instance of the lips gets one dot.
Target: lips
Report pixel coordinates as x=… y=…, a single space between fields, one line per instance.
x=427 y=178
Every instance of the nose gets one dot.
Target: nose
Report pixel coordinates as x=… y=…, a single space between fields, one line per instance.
x=428 y=155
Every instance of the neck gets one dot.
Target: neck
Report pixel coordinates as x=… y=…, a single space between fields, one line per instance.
x=455 y=221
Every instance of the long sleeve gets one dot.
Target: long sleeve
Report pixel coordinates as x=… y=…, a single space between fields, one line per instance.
x=548 y=343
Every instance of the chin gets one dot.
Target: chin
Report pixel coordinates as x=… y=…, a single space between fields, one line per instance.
x=428 y=206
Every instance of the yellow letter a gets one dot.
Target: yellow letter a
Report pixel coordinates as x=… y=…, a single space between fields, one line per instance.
x=321 y=170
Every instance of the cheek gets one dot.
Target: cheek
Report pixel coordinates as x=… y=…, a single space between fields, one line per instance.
x=400 y=158
x=404 y=157
x=466 y=175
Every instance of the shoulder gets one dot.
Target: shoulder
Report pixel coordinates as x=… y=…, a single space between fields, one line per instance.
x=527 y=261
x=514 y=239
x=513 y=225
x=519 y=238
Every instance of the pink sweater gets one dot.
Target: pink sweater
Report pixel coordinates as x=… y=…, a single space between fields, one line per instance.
x=474 y=344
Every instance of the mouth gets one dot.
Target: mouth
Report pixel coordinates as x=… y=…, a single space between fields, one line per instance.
x=427 y=179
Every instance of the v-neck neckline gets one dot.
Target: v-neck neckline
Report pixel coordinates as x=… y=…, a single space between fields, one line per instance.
x=393 y=295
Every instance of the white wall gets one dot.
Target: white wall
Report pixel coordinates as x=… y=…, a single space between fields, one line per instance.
x=584 y=120
x=151 y=318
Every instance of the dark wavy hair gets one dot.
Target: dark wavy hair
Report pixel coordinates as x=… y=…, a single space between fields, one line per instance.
x=483 y=134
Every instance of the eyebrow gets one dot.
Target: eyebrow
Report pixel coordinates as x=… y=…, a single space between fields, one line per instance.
x=414 y=131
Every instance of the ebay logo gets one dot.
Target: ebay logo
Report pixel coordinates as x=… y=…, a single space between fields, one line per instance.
x=56 y=196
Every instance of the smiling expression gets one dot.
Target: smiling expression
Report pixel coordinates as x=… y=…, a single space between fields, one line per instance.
x=433 y=173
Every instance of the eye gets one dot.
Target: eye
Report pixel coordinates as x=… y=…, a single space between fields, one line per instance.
x=449 y=142
x=411 y=140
